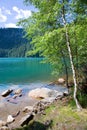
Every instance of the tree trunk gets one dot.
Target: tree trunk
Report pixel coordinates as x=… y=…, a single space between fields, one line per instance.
x=71 y=59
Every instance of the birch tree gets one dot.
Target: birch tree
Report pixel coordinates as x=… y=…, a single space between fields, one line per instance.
x=48 y=28
x=71 y=59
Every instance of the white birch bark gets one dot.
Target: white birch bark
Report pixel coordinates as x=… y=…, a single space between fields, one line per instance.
x=71 y=61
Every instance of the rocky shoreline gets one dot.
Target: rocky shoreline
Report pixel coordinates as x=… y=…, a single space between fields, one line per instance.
x=17 y=108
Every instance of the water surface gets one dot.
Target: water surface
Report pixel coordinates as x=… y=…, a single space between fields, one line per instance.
x=23 y=71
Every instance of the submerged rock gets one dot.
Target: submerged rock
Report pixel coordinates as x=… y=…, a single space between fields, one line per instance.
x=11 y=100
x=42 y=93
x=6 y=93
x=18 y=91
x=15 y=96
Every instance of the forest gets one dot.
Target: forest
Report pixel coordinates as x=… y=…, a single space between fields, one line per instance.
x=13 y=43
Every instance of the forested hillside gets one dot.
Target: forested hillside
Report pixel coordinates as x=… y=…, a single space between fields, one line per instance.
x=13 y=43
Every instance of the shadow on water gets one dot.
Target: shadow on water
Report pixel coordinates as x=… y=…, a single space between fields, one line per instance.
x=38 y=126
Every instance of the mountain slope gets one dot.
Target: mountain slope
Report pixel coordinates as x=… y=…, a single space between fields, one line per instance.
x=13 y=43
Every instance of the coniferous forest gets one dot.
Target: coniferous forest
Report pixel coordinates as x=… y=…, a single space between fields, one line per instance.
x=13 y=43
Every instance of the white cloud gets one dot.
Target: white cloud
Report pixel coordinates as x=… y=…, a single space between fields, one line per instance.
x=3 y=18
x=8 y=11
x=21 y=13
x=11 y=25
x=16 y=9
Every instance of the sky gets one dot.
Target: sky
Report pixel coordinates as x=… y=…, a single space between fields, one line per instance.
x=13 y=10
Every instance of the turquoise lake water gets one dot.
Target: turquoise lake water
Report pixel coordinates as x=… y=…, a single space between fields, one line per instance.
x=25 y=73
x=15 y=72
x=22 y=70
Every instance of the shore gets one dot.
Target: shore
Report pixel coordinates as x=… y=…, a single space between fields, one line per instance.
x=10 y=106
x=60 y=114
x=14 y=103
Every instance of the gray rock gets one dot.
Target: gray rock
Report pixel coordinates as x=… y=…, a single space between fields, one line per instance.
x=43 y=93
x=49 y=100
x=4 y=128
x=10 y=119
x=2 y=123
x=18 y=91
x=20 y=95
x=26 y=119
x=66 y=93
x=40 y=107
x=16 y=114
x=17 y=95
x=28 y=109
x=6 y=93
x=61 y=81
x=59 y=94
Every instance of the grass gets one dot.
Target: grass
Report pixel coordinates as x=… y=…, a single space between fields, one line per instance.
x=62 y=115
x=82 y=97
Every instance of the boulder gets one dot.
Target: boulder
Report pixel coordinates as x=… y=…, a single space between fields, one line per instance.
x=42 y=93
x=18 y=91
x=6 y=93
x=10 y=119
x=61 y=81
x=2 y=123
x=26 y=119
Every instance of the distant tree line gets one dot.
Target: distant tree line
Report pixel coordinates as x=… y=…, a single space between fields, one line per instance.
x=13 y=43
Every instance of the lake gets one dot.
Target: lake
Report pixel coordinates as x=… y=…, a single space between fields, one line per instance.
x=25 y=73
x=22 y=70
x=19 y=72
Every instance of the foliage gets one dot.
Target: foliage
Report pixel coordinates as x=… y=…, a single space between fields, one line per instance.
x=47 y=39
x=58 y=32
x=46 y=30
